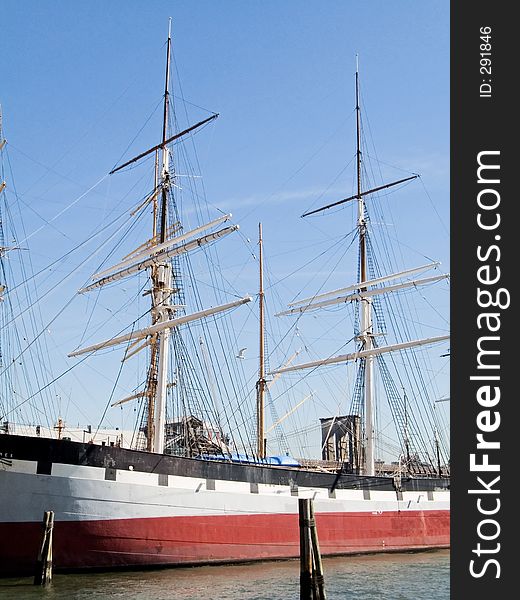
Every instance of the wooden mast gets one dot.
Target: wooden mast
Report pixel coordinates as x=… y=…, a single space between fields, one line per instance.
x=165 y=173
x=366 y=333
x=161 y=279
x=261 y=383
x=152 y=374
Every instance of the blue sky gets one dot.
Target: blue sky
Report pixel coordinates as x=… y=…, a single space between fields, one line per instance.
x=80 y=79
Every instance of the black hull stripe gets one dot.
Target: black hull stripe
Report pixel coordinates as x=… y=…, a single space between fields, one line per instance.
x=48 y=451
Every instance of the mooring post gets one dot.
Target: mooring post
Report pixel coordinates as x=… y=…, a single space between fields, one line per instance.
x=319 y=581
x=43 y=573
x=306 y=582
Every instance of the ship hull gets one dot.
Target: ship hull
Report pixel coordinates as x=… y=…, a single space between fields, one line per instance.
x=118 y=508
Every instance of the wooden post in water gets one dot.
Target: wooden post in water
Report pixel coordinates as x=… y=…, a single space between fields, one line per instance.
x=43 y=573
x=306 y=583
x=311 y=567
x=319 y=582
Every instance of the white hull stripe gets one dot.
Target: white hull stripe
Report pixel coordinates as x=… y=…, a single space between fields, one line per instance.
x=85 y=493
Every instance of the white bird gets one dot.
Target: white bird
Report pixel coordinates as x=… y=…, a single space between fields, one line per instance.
x=241 y=353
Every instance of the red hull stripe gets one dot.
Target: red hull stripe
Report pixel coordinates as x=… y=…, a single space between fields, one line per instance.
x=198 y=540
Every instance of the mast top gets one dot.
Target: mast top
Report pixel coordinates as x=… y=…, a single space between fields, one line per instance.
x=360 y=193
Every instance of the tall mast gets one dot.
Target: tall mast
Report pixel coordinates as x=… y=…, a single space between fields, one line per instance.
x=151 y=387
x=155 y=196
x=366 y=334
x=165 y=156
x=161 y=279
x=261 y=383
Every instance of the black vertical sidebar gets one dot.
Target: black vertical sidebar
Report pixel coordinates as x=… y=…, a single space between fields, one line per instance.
x=485 y=364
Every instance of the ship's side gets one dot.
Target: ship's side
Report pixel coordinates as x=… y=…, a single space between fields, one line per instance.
x=122 y=508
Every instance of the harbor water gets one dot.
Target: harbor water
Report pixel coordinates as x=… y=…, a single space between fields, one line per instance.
x=410 y=576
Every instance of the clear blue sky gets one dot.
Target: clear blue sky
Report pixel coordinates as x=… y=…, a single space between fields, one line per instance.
x=80 y=79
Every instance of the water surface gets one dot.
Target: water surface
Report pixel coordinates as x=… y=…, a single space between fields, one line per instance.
x=386 y=577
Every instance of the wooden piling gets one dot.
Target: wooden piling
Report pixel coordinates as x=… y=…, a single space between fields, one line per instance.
x=319 y=582
x=43 y=574
x=311 y=567
x=306 y=583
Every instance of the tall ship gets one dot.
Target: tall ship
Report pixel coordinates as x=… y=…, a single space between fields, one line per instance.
x=198 y=481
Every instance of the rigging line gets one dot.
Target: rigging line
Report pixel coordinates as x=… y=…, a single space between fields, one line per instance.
x=307 y=246
x=19 y=198
x=432 y=306
x=22 y=264
x=292 y=329
x=109 y=401
x=429 y=406
x=205 y=405
x=398 y=300
x=64 y=210
x=120 y=332
x=112 y=314
x=39 y=368
x=226 y=415
x=305 y=163
x=42 y=218
x=178 y=82
x=69 y=252
x=52 y=289
x=47 y=385
x=422 y=183
x=423 y=415
x=311 y=371
x=227 y=334
x=140 y=130
x=214 y=264
x=238 y=274
x=417 y=322
x=401 y=243
x=86 y=132
x=209 y=339
x=434 y=207
x=80 y=384
x=195 y=193
x=364 y=115
x=379 y=210
x=211 y=112
x=331 y=271
x=382 y=162
x=250 y=246
x=336 y=245
x=191 y=138
x=230 y=370
x=45 y=167
x=208 y=253
x=435 y=374
x=134 y=222
x=347 y=165
x=382 y=245
x=35 y=339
